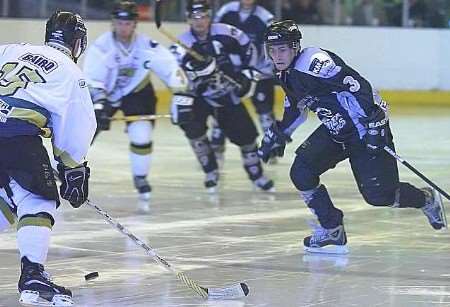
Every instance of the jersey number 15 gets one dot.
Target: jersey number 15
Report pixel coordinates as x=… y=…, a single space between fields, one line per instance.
x=11 y=81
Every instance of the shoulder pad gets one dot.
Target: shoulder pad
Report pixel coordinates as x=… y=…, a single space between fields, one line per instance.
x=263 y=14
x=229 y=30
x=317 y=62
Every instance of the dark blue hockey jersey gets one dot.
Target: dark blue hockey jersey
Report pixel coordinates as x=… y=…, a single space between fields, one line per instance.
x=254 y=23
x=321 y=82
x=232 y=50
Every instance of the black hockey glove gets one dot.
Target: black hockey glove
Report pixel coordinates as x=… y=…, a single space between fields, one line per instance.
x=273 y=143
x=182 y=108
x=247 y=80
x=200 y=69
x=377 y=131
x=103 y=110
x=74 y=183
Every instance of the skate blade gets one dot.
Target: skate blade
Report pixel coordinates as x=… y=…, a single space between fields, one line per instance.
x=32 y=298
x=145 y=196
x=143 y=207
x=330 y=249
x=269 y=191
x=212 y=190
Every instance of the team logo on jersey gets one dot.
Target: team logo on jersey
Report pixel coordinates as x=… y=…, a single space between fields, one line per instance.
x=40 y=61
x=5 y=110
x=334 y=122
x=82 y=83
x=317 y=65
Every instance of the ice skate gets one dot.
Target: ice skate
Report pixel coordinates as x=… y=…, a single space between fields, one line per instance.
x=264 y=184
x=211 y=181
x=143 y=187
x=434 y=209
x=326 y=241
x=36 y=288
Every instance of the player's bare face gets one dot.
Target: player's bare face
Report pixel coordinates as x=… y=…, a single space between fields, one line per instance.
x=124 y=29
x=200 y=24
x=281 y=55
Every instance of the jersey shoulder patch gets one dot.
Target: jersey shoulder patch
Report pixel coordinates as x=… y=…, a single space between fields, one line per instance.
x=317 y=62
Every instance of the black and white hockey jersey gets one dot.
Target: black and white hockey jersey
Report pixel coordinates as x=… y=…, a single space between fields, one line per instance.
x=232 y=50
x=320 y=81
x=254 y=23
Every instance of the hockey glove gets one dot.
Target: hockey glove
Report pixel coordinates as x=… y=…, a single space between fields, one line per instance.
x=74 y=183
x=376 y=136
x=273 y=143
x=247 y=81
x=200 y=69
x=103 y=111
x=182 y=108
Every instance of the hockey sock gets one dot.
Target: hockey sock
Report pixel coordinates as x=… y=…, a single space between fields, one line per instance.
x=251 y=162
x=33 y=236
x=203 y=152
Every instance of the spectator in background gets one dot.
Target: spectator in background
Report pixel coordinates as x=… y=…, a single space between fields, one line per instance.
x=417 y=13
x=368 y=13
x=302 y=11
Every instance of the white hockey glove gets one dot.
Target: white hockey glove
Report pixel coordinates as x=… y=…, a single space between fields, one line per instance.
x=182 y=108
x=247 y=79
x=74 y=183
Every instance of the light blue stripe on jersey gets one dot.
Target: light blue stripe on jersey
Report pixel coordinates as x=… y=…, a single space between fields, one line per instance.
x=349 y=102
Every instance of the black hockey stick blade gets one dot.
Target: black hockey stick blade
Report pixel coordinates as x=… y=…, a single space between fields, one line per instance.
x=158 y=5
x=229 y=293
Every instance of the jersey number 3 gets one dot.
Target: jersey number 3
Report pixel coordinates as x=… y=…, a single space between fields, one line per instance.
x=354 y=84
x=11 y=81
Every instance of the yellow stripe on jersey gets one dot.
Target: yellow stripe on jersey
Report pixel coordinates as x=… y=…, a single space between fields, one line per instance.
x=31 y=116
x=6 y=211
x=35 y=221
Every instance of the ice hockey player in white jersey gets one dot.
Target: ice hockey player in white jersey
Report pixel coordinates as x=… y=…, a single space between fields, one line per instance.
x=117 y=68
x=43 y=93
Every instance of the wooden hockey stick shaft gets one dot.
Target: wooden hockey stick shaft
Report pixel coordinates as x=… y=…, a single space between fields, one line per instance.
x=131 y=118
x=415 y=171
x=232 y=292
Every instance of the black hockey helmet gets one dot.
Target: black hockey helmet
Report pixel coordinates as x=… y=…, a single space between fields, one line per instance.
x=67 y=29
x=198 y=7
x=125 y=10
x=283 y=32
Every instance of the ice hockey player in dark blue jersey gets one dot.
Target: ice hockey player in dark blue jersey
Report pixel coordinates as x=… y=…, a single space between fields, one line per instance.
x=253 y=19
x=219 y=79
x=355 y=126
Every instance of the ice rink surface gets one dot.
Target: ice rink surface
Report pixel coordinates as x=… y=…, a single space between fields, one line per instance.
x=395 y=259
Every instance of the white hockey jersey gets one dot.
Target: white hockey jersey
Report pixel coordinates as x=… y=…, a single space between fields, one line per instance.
x=41 y=87
x=115 y=71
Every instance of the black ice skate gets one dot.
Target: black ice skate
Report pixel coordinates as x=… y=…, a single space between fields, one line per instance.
x=143 y=187
x=264 y=184
x=327 y=241
x=434 y=209
x=36 y=288
x=211 y=181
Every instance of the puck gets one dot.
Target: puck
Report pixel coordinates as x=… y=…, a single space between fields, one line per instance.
x=91 y=276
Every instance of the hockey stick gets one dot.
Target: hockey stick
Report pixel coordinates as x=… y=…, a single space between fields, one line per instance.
x=131 y=118
x=232 y=292
x=415 y=171
x=195 y=54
